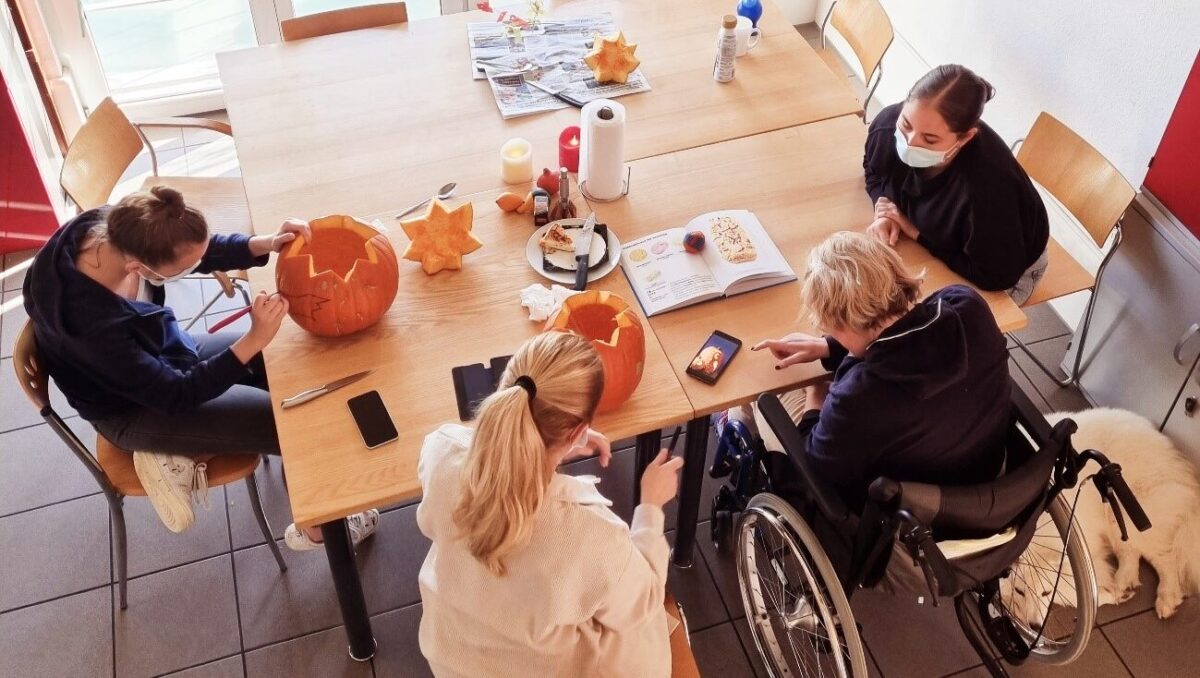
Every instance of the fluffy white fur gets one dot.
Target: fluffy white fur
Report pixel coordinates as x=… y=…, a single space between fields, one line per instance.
x=1164 y=482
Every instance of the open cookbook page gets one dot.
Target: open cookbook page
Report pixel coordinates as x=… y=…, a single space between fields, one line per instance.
x=664 y=276
x=739 y=253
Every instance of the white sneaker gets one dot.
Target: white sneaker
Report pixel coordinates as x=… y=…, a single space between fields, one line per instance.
x=362 y=525
x=171 y=481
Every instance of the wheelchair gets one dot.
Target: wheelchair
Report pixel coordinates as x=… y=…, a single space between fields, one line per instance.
x=1007 y=552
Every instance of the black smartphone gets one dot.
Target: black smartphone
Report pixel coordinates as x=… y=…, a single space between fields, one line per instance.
x=713 y=357
x=372 y=418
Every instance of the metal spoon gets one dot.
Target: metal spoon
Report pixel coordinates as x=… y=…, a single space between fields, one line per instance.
x=443 y=193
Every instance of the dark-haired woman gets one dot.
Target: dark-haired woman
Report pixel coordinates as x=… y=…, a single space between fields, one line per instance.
x=95 y=296
x=939 y=175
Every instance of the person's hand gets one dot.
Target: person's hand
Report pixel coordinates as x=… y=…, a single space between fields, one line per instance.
x=794 y=349
x=885 y=231
x=266 y=314
x=886 y=209
x=660 y=481
x=288 y=231
x=595 y=444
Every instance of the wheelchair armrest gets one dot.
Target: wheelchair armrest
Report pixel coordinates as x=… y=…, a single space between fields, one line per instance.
x=829 y=503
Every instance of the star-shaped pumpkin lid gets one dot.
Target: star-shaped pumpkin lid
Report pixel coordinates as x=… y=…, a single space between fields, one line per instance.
x=612 y=59
x=441 y=237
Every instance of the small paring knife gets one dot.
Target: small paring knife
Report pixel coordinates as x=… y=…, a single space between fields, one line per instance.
x=565 y=98
x=312 y=393
x=583 y=252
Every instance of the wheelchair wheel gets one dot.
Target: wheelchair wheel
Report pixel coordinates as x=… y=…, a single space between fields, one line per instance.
x=1056 y=626
x=798 y=613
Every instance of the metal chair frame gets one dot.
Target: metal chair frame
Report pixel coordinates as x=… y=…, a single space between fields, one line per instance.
x=876 y=73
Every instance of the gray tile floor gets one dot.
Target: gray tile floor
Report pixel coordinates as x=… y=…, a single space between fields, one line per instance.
x=212 y=603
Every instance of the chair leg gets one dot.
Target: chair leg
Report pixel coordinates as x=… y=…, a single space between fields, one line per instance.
x=1083 y=327
x=256 y=504
x=120 y=556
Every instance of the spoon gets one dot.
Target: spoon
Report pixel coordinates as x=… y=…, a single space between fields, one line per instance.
x=443 y=193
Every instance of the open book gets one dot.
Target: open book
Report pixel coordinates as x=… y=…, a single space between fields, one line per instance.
x=738 y=256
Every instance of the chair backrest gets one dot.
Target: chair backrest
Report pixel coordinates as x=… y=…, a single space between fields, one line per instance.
x=341 y=20
x=1075 y=173
x=98 y=155
x=35 y=382
x=866 y=28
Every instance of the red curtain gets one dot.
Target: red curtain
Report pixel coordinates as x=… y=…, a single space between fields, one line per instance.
x=1174 y=176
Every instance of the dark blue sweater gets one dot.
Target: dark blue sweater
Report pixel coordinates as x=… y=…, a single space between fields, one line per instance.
x=108 y=354
x=929 y=402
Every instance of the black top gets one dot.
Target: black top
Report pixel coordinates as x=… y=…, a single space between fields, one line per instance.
x=981 y=215
x=109 y=354
x=928 y=402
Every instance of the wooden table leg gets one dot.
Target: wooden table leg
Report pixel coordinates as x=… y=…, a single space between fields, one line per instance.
x=645 y=450
x=694 y=457
x=339 y=549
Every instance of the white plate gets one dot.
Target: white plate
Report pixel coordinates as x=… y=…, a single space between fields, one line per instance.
x=533 y=253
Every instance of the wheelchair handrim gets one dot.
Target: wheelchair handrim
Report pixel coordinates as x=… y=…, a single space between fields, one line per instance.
x=826 y=605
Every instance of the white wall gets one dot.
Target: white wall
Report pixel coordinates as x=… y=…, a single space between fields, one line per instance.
x=1110 y=69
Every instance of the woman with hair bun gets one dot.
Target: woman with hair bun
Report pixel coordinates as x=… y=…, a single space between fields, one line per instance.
x=939 y=175
x=95 y=295
x=530 y=572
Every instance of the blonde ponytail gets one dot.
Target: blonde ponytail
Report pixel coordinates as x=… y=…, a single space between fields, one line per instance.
x=507 y=470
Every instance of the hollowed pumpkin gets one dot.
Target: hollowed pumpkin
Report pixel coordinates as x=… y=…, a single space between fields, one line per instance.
x=617 y=333
x=341 y=282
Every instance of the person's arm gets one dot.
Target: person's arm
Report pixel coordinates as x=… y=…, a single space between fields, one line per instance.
x=993 y=254
x=837 y=353
x=229 y=252
x=878 y=156
x=837 y=440
x=123 y=366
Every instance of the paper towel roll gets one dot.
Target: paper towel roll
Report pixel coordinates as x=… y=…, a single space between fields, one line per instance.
x=602 y=149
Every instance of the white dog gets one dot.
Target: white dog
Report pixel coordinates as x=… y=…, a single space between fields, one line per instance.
x=1165 y=484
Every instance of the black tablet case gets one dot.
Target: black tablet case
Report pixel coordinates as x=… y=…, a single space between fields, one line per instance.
x=473 y=383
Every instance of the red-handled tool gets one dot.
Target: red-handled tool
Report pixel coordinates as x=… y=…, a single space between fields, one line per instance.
x=233 y=317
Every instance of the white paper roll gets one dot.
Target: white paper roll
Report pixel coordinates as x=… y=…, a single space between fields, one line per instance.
x=602 y=149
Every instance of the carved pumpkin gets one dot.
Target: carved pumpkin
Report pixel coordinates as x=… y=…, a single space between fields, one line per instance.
x=617 y=333
x=341 y=282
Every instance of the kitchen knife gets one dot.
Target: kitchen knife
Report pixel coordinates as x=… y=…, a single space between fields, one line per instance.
x=583 y=252
x=565 y=98
x=305 y=396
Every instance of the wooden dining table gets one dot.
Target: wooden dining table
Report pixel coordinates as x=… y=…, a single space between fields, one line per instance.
x=366 y=122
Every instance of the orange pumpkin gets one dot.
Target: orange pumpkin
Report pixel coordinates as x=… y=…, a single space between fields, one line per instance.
x=617 y=333
x=341 y=282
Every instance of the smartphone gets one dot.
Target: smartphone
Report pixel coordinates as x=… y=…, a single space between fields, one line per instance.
x=713 y=357
x=373 y=420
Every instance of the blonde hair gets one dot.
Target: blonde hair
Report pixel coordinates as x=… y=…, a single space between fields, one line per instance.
x=507 y=469
x=856 y=282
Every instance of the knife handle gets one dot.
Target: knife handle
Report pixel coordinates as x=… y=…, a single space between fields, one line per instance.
x=581 y=272
x=303 y=397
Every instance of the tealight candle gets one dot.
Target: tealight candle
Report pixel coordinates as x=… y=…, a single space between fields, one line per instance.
x=568 y=149
x=516 y=161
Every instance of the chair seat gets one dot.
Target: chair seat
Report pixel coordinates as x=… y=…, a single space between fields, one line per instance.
x=118 y=466
x=1063 y=276
x=683 y=662
x=222 y=200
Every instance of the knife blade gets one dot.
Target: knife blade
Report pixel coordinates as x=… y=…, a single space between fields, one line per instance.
x=305 y=396
x=583 y=251
x=565 y=98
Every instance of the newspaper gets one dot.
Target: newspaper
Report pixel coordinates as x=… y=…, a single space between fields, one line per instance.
x=553 y=55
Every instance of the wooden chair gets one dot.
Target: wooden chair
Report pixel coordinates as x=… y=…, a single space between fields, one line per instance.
x=1095 y=193
x=342 y=20
x=683 y=662
x=866 y=28
x=112 y=467
x=108 y=142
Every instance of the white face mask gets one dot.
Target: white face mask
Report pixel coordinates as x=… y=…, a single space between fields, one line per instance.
x=915 y=156
x=159 y=280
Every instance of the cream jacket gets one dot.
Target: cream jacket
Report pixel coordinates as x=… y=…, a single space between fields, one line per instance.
x=583 y=598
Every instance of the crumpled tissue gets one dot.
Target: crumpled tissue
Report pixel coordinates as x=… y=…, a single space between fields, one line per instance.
x=543 y=301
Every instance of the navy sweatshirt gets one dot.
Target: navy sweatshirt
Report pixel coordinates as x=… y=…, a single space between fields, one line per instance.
x=981 y=215
x=929 y=402
x=108 y=354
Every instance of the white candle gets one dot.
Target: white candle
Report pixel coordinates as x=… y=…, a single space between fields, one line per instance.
x=516 y=161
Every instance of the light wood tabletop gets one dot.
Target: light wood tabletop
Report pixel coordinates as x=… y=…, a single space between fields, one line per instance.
x=377 y=119
x=803 y=184
x=437 y=322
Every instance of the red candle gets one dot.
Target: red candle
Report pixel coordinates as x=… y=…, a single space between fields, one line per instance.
x=568 y=149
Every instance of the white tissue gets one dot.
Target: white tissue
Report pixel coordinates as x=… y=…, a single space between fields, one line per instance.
x=543 y=301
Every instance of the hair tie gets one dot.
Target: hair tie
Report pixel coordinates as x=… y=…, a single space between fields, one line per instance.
x=527 y=384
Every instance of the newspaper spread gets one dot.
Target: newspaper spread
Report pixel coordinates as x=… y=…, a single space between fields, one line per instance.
x=552 y=54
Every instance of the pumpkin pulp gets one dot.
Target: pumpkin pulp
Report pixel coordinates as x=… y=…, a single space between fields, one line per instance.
x=337 y=250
